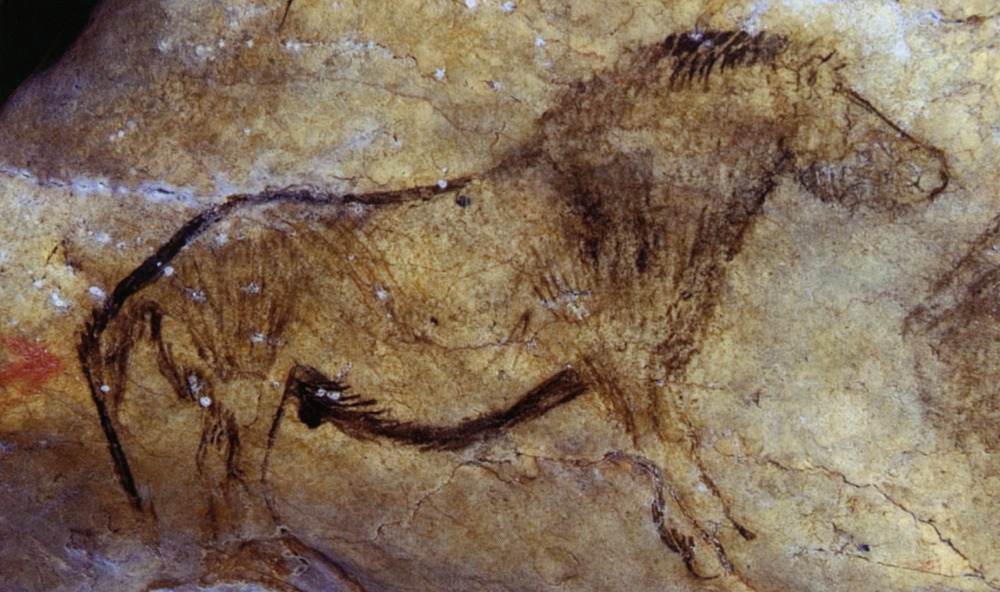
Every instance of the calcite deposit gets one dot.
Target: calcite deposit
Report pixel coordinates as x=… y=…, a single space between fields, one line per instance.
x=503 y=296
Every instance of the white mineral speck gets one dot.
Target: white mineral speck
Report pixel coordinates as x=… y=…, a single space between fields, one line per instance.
x=168 y=271
x=508 y=6
x=97 y=293
x=249 y=42
x=443 y=184
x=439 y=74
x=539 y=42
x=198 y=296
x=470 y=4
x=343 y=373
x=37 y=283
x=257 y=337
x=58 y=302
x=105 y=388
x=205 y=401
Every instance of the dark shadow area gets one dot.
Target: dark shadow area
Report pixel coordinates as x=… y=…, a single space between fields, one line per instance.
x=34 y=34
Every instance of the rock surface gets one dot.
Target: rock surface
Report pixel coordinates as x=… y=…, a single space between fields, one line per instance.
x=503 y=296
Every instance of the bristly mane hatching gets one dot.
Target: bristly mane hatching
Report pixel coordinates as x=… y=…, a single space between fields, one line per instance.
x=695 y=54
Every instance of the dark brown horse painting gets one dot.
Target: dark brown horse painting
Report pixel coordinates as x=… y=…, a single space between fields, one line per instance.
x=584 y=266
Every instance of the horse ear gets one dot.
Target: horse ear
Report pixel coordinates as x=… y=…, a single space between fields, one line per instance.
x=860 y=157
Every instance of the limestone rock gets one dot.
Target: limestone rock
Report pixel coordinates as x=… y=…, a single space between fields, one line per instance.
x=491 y=296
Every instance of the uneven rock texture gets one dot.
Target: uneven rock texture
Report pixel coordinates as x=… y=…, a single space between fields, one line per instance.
x=503 y=296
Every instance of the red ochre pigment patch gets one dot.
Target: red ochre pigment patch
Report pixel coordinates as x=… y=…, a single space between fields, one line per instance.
x=26 y=363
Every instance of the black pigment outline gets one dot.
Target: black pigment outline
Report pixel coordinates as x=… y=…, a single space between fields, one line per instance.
x=346 y=412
